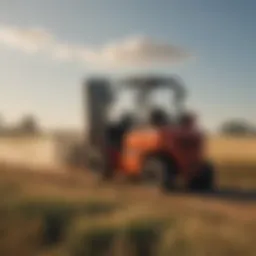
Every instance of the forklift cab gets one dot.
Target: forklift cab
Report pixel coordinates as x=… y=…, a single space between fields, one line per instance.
x=146 y=115
x=107 y=136
x=130 y=143
x=144 y=90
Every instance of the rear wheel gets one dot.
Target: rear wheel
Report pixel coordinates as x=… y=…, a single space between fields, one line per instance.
x=204 y=181
x=158 y=171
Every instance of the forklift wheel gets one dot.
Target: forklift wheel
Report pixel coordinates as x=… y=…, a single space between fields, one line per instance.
x=205 y=180
x=159 y=172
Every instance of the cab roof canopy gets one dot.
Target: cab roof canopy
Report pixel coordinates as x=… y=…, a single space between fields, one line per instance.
x=147 y=83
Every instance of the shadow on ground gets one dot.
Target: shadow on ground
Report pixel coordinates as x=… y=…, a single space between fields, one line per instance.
x=228 y=194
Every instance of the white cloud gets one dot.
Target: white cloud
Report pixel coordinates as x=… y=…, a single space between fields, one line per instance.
x=143 y=51
x=63 y=52
x=135 y=50
x=28 y=40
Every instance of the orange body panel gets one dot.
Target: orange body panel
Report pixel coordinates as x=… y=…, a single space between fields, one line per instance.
x=139 y=143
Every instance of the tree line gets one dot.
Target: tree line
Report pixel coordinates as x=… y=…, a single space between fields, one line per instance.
x=27 y=125
x=238 y=127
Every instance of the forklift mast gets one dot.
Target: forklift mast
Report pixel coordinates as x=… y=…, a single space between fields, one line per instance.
x=97 y=97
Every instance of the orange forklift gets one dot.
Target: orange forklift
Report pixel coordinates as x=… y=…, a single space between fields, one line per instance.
x=150 y=145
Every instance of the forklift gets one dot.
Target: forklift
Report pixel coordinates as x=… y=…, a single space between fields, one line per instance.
x=151 y=144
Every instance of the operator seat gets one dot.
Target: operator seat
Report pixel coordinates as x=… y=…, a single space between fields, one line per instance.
x=187 y=120
x=158 y=117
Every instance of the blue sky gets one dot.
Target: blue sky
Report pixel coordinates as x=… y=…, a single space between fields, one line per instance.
x=221 y=35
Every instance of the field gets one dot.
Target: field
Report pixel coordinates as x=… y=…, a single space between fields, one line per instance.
x=235 y=159
x=232 y=150
x=73 y=214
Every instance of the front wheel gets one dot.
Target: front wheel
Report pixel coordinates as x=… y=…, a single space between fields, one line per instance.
x=204 y=181
x=159 y=172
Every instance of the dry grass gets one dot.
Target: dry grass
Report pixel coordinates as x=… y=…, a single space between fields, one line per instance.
x=53 y=214
x=235 y=159
x=232 y=150
x=73 y=215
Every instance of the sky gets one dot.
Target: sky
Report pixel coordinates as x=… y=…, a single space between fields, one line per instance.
x=48 y=48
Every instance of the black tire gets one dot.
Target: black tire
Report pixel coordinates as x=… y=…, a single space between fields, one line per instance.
x=159 y=171
x=107 y=172
x=204 y=181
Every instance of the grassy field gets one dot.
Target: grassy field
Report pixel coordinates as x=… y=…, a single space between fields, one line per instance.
x=75 y=215
x=232 y=150
x=235 y=160
x=72 y=214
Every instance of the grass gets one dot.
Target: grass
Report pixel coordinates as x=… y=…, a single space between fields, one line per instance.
x=208 y=236
x=48 y=214
x=235 y=160
x=242 y=177
x=234 y=151
x=53 y=214
x=93 y=237
x=189 y=229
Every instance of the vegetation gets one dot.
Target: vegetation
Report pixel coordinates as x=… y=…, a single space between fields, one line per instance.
x=73 y=215
x=28 y=125
x=236 y=152
x=238 y=127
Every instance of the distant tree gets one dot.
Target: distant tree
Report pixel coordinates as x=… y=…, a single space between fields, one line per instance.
x=237 y=127
x=28 y=125
x=1 y=122
x=2 y=125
